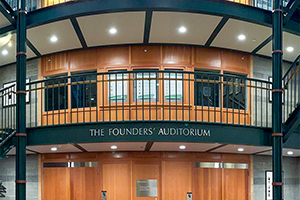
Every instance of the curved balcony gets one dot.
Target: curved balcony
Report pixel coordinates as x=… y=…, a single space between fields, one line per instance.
x=143 y=95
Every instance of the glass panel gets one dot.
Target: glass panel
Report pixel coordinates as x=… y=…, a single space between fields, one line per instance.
x=173 y=87
x=145 y=87
x=117 y=87
x=56 y=94
x=84 y=91
x=207 y=90
x=234 y=92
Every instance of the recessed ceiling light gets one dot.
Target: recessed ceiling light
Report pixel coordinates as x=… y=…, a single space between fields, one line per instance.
x=241 y=149
x=182 y=29
x=112 y=31
x=54 y=149
x=53 y=38
x=182 y=147
x=241 y=37
x=10 y=44
x=290 y=153
x=253 y=40
x=4 y=52
x=290 y=49
x=113 y=147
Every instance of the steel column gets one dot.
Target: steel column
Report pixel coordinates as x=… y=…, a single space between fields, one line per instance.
x=21 y=104
x=277 y=135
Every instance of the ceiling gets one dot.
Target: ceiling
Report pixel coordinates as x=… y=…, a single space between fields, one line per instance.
x=138 y=27
x=156 y=146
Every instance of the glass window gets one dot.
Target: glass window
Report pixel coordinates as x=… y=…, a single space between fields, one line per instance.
x=145 y=86
x=207 y=88
x=234 y=91
x=173 y=86
x=56 y=92
x=84 y=90
x=117 y=87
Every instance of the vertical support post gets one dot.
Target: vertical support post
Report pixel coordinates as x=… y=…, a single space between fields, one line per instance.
x=277 y=135
x=21 y=103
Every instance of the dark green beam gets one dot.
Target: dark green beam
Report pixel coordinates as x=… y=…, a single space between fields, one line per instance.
x=81 y=133
x=147 y=28
x=291 y=9
x=30 y=45
x=277 y=135
x=7 y=12
x=216 y=31
x=78 y=32
x=21 y=103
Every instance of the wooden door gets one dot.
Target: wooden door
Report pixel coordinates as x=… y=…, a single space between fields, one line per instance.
x=208 y=184
x=176 y=180
x=84 y=183
x=235 y=184
x=145 y=171
x=116 y=181
x=56 y=184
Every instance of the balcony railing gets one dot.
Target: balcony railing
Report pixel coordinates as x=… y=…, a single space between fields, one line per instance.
x=291 y=89
x=142 y=95
x=37 y=4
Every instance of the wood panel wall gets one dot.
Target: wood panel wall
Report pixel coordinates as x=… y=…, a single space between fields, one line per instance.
x=130 y=58
x=118 y=172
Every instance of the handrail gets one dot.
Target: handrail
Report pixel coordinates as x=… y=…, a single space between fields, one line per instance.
x=150 y=95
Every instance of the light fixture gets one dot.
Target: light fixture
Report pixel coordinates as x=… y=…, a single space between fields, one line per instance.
x=54 y=149
x=53 y=38
x=290 y=49
x=112 y=31
x=9 y=43
x=4 y=52
x=182 y=147
x=182 y=29
x=290 y=153
x=241 y=37
x=113 y=147
x=241 y=149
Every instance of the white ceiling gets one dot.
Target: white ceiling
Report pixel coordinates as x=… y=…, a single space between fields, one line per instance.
x=165 y=25
x=66 y=37
x=129 y=26
x=228 y=36
x=174 y=146
x=122 y=146
x=3 y=21
x=157 y=146
x=11 y=50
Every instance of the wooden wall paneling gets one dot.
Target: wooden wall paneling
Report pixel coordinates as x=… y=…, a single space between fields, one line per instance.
x=176 y=179
x=207 y=115
x=176 y=54
x=54 y=64
x=207 y=58
x=83 y=60
x=56 y=184
x=113 y=56
x=84 y=183
x=145 y=171
x=56 y=117
x=235 y=62
x=145 y=55
x=117 y=181
x=235 y=116
x=235 y=184
x=84 y=115
x=208 y=184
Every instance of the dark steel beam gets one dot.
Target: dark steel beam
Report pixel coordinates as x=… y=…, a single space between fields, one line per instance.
x=259 y=47
x=277 y=135
x=7 y=12
x=21 y=103
x=149 y=146
x=290 y=10
x=78 y=32
x=32 y=47
x=216 y=31
x=147 y=28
